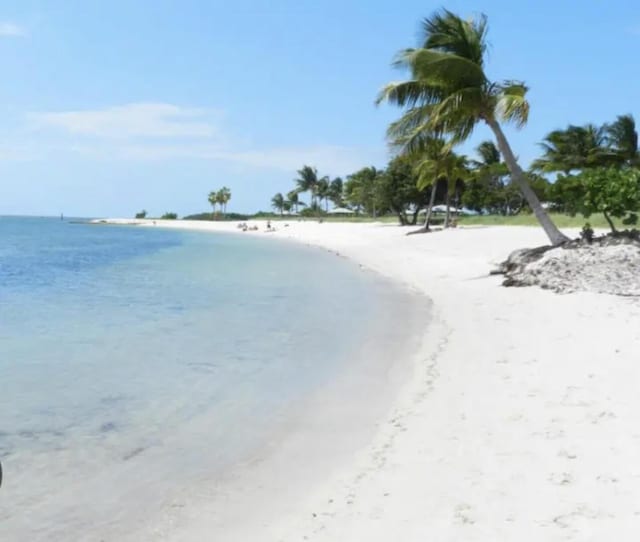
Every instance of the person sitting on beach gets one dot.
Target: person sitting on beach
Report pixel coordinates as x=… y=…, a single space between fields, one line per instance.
x=268 y=224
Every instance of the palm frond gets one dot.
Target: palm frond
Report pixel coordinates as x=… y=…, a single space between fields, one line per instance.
x=409 y=93
x=438 y=68
x=512 y=105
x=446 y=32
x=488 y=152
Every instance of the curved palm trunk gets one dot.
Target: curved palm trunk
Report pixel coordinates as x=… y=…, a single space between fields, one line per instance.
x=553 y=233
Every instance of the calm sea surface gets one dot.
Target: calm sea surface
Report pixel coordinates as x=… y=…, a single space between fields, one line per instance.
x=135 y=361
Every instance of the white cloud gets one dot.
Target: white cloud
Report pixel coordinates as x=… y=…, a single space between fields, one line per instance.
x=162 y=131
x=137 y=120
x=338 y=160
x=11 y=30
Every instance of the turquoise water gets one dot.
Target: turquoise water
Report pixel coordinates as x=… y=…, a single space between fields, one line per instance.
x=135 y=361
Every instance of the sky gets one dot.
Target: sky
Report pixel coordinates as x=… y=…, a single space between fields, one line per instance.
x=107 y=108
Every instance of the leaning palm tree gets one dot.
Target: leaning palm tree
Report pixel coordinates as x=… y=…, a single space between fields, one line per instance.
x=449 y=93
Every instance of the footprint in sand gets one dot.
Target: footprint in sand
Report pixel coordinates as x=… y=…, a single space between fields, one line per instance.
x=567 y=454
x=603 y=416
x=560 y=478
x=463 y=514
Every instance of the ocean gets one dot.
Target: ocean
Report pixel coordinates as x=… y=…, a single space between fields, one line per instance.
x=139 y=362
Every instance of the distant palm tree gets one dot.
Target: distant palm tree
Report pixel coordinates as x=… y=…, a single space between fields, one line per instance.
x=293 y=198
x=223 y=196
x=490 y=166
x=439 y=163
x=213 y=200
x=576 y=148
x=489 y=154
x=449 y=93
x=336 y=192
x=307 y=181
x=324 y=191
x=622 y=137
x=278 y=203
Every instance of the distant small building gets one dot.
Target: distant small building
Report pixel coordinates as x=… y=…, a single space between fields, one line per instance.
x=341 y=211
x=437 y=209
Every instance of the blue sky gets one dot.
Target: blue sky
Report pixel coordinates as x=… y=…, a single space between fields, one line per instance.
x=111 y=107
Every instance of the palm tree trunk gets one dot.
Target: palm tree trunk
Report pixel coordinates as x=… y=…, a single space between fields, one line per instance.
x=553 y=233
x=447 y=216
x=432 y=200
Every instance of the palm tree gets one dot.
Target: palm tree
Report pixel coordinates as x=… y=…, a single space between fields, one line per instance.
x=449 y=93
x=307 y=181
x=294 y=199
x=489 y=155
x=223 y=196
x=336 y=189
x=438 y=163
x=278 y=202
x=576 y=148
x=324 y=191
x=213 y=200
x=622 y=138
x=491 y=173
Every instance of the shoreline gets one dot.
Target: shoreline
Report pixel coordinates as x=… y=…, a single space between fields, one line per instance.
x=520 y=422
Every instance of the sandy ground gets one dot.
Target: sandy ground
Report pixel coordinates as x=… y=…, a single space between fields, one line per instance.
x=521 y=422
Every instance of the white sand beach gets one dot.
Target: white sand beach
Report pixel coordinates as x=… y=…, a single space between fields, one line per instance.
x=521 y=420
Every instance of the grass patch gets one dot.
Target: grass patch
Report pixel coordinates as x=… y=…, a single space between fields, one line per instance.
x=561 y=220
x=597 y=221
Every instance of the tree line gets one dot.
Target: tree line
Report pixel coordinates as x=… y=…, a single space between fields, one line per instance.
x=597 y=166
x=447 y=94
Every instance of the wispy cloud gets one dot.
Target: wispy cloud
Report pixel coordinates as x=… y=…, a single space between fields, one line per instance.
x=138 y=120
x=162 y=131
x=11 y=30
x=340 y=160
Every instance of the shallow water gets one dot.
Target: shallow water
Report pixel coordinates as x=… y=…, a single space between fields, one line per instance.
x=134 y=362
